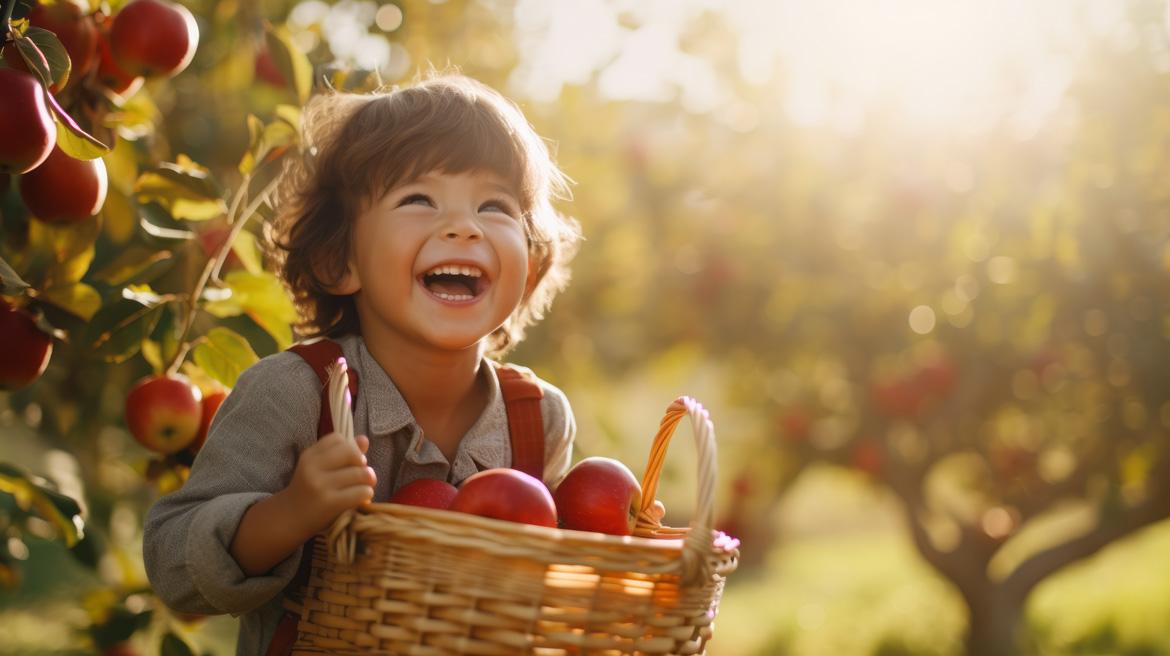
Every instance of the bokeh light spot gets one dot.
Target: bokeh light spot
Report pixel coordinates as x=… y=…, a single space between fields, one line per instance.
x=922 y=319
x=388 y=18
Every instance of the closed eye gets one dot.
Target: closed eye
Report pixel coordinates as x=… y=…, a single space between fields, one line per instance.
x=500 y=206
x=414 y=199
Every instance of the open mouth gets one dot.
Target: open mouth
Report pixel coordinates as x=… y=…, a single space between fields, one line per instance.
x=455 y=282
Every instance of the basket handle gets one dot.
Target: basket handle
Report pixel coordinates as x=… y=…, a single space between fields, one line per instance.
x=699 y=541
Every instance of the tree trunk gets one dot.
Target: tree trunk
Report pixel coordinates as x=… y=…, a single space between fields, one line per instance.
x=994 y=625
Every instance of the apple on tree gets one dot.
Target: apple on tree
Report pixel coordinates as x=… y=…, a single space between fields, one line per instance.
x=207 y=409
x=27 y=131
x=64 y=190
x=109 y=73
x=426 y=492
x=506 y=494
x=25 y=348
x=599 y=494
x=76 y=31
x=153 y=38
x=164 y=412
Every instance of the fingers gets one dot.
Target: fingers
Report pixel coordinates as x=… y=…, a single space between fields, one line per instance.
x=363 y=443
x=334 y=451
x=351 y=487
x=351 y=476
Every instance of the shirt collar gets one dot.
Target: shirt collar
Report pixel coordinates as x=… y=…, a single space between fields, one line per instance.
x=486 y=444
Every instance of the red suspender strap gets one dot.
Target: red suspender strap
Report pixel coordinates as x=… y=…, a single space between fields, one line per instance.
x=522 y=397
x=320 y=355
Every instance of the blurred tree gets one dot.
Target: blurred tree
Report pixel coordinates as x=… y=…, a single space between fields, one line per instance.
x=977 y=324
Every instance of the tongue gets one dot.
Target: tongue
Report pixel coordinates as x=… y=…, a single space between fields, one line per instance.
x=452 y=286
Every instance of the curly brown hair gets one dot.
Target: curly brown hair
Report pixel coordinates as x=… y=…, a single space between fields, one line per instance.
x=357 y=147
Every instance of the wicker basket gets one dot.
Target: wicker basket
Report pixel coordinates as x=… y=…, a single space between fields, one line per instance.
x=406 y=580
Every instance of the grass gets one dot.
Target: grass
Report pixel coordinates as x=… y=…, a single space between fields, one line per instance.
x=828 y=588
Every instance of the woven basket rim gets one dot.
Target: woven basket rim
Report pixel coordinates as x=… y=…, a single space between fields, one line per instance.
x=456 y=520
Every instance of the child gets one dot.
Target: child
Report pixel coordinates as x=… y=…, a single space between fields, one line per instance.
x=419 y=235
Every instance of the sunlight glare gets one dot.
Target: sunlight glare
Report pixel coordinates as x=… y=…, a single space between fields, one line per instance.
x=938 y=65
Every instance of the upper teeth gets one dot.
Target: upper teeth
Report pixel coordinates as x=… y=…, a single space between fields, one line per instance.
x=455 y=270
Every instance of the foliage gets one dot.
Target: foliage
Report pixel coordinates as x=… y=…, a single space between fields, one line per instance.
x=976 y=324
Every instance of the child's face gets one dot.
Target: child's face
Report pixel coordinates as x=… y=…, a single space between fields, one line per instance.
x=441 y=261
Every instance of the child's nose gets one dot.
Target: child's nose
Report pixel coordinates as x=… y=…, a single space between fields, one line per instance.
x=462 y=225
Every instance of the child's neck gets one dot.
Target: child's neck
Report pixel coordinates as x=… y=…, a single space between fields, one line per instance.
x=443 y=389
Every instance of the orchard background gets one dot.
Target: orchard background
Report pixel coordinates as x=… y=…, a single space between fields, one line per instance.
x=914 y=257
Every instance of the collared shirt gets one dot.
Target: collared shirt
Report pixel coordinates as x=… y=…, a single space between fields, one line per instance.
x=251 y=453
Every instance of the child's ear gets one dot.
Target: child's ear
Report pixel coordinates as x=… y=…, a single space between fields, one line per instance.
x=531 y=277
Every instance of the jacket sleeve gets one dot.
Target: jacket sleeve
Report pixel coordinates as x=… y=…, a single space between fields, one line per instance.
x=251 y=453
x=560 y=429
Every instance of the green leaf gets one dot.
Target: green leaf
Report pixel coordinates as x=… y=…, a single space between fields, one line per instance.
x=71 y=139
x=290 y=114
x=152 y=353
x=173 y=645
x=224 y=355
x=136 y=117
x=269 y=142
x=262 y=297
x=117 y=330
x=70 y=248
x=119 y=217
x=246 y=248
x=280 y=330
x=122 y=166
x=168 y=333
x=33 y=496
x=34 y=60
x=187 y=192
x=135 y=264
x=255 y=133
x=11 y=284
x=290 y=61
x=40 y=47
x=76 y=298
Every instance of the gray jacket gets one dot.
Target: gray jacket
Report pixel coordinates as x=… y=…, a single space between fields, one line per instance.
x=251 y=453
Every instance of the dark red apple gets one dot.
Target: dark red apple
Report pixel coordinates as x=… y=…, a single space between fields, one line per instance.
x=27 y=131
x=153 y=37
x=506 y=494
x=76 y=31
x=24 y=348
x=109 y=73
x=65 y=190
x=163 y=412
x=426 y=492
x=599 y=494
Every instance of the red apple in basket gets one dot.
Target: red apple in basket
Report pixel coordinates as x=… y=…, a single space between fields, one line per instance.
x=506 y=494
x=599 y=494
x=426 y=492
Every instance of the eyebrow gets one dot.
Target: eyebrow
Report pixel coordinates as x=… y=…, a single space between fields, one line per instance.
x=495 y=186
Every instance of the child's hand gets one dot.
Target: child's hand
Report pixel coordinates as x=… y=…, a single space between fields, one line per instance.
x=331 y=477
